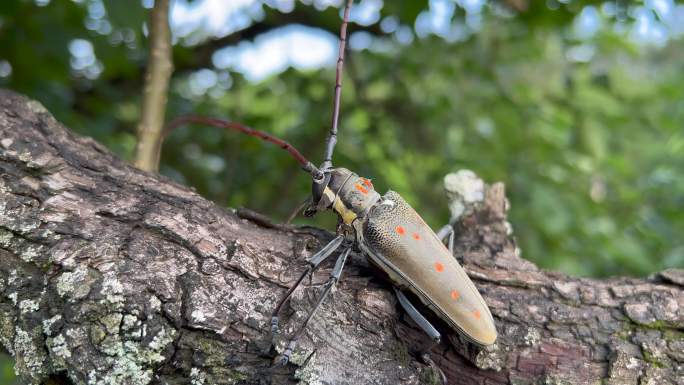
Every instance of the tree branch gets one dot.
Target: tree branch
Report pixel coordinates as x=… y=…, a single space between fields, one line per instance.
x=200 y=55
x=111 y=275
x=157 y=78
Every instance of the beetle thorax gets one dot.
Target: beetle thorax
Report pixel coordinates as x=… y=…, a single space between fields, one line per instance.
x=350 y=195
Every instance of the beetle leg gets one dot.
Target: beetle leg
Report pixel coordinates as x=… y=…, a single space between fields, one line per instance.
x=427 y=327
x=447 y=231
x=451 y=240
x=297 y=210
x=418 y=318
x=334 y=278
x=314 y=261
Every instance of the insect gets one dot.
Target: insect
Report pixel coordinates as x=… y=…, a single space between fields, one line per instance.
x=388 y=231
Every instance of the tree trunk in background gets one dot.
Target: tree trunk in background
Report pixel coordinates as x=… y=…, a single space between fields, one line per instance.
x=111 y=275
x=156 y=90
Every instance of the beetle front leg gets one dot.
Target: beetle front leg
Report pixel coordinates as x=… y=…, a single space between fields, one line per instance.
x=334 y=278
x=314 y=261
x=297 y=210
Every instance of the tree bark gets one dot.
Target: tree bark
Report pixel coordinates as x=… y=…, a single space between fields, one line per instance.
x=111 y=275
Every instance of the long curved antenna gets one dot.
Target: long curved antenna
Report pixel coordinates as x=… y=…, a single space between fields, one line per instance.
x=332 y=137
x=305 y=163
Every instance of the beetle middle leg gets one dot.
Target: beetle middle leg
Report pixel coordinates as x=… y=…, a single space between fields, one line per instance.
x=427 y=327
x=334 y=278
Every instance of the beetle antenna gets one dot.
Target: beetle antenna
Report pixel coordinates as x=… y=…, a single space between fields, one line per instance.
x=332 y=137
x=305 y=163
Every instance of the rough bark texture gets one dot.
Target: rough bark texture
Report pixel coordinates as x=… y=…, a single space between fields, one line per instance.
x=110 y=275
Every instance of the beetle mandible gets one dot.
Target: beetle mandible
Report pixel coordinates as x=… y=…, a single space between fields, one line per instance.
x=386 y=229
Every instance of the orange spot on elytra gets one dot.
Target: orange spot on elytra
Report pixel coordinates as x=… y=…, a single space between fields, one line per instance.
x=361 y=188
x=455 y=294
x=400 y=230
x=416 y=236
x=477 y=314
x=439 y=267
x=367 y=182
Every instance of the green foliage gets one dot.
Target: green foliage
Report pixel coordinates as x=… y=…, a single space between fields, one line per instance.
x=7 y=370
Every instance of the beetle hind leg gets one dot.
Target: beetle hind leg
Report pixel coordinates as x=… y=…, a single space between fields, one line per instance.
x=334 y=278
x=447 y=231
x=426 y=326
x=418 y=318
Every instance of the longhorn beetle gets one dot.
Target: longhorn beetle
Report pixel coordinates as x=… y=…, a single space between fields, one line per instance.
x=387 y=230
